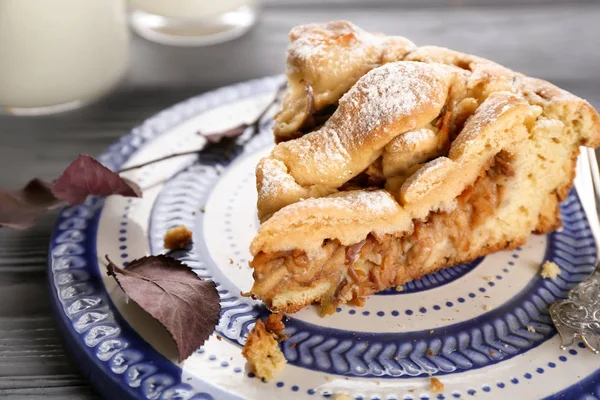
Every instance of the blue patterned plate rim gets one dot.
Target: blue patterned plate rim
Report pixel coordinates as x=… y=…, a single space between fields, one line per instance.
x=98 y=371
x=530 y=304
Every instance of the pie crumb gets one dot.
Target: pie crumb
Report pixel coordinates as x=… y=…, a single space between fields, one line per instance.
x=486 y=307
x=275 y=325
x=262 y=352
x=488 y=278
x=399 y=288
x=177 y=238
x=550 y=270
x=530 y=328
x=436 y=386
x=341 y=396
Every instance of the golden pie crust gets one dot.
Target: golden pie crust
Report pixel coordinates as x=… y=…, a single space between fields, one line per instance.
x=394 y=161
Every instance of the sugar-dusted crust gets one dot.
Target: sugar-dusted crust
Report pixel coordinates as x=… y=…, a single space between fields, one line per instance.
x=396 y=97
x=329 y=59
x=431 y=127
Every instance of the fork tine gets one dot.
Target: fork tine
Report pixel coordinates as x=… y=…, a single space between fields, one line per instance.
x=594 y=169
x=587 y=182
x=587 y=341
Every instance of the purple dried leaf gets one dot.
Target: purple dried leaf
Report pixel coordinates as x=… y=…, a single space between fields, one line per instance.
x=20 y=208
x=86 y=176
x=187 y=306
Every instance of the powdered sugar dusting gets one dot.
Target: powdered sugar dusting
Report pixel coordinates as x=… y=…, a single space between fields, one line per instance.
x=313 y=41
x=393 y=91
x=325 y=152
x=486 y=114
x=412 y=139
x=275 y=180
x=306 y=49
x=358 y=203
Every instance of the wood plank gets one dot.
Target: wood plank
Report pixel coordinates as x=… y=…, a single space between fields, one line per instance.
x=413 y=4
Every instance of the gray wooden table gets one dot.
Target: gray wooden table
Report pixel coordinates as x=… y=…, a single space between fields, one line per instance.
x=555 y=40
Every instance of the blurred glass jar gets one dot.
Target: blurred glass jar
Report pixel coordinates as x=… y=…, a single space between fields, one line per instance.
x=192 y=22
x=57 y=55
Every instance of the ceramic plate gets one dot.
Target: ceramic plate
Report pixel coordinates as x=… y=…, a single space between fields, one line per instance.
x=469 y=325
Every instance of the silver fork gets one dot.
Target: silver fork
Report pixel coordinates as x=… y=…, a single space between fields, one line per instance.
x=578 y=316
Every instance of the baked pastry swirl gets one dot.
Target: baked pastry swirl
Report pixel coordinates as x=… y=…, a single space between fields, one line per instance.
x=395 y=161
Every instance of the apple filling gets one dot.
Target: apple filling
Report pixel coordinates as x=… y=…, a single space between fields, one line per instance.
x=290 y=280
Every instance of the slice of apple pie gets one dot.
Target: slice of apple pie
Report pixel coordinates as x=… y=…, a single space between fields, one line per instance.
x=395 y=161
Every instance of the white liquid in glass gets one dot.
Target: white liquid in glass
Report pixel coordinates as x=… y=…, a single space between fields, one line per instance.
x=54 y=52
x=192 y=22
x=190 y=8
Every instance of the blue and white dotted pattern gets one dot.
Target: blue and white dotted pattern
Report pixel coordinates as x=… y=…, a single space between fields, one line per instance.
x=97 y=331
x=493 y=337
x=85 y=311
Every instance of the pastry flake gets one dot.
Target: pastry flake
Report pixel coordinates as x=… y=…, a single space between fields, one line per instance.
x=413 y=159
x=262 y=352
x=550 y=270
x=435 y=385
x=177 y=238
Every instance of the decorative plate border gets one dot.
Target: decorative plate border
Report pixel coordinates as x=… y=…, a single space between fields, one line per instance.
x=494 y=336
x=116 y=360
x=101 y=341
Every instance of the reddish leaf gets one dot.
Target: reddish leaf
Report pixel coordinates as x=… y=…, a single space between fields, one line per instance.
x=85 y=176
x=174 y=295
x=19 y=208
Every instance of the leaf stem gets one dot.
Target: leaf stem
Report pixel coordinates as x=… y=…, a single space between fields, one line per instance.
x=183 y=153
x=254 y=124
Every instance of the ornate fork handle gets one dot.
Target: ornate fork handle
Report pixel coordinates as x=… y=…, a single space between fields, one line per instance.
x=578 y=316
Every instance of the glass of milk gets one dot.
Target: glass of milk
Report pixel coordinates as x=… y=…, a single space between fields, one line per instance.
x=192 y=22
x=57 y=55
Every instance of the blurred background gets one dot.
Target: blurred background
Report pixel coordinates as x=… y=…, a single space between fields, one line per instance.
x=129 y=61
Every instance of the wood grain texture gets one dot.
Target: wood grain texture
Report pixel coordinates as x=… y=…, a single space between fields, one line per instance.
x=552 y=39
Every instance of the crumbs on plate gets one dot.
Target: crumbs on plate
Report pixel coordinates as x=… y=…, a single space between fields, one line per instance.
x=261 y=349
x=274 y=325
x=262 y=352
x=435 y=385
x=342 y=396
x=177 y=238
x=550 y=270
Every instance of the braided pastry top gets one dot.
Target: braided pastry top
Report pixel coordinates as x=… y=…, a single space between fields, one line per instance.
x=410 y=129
